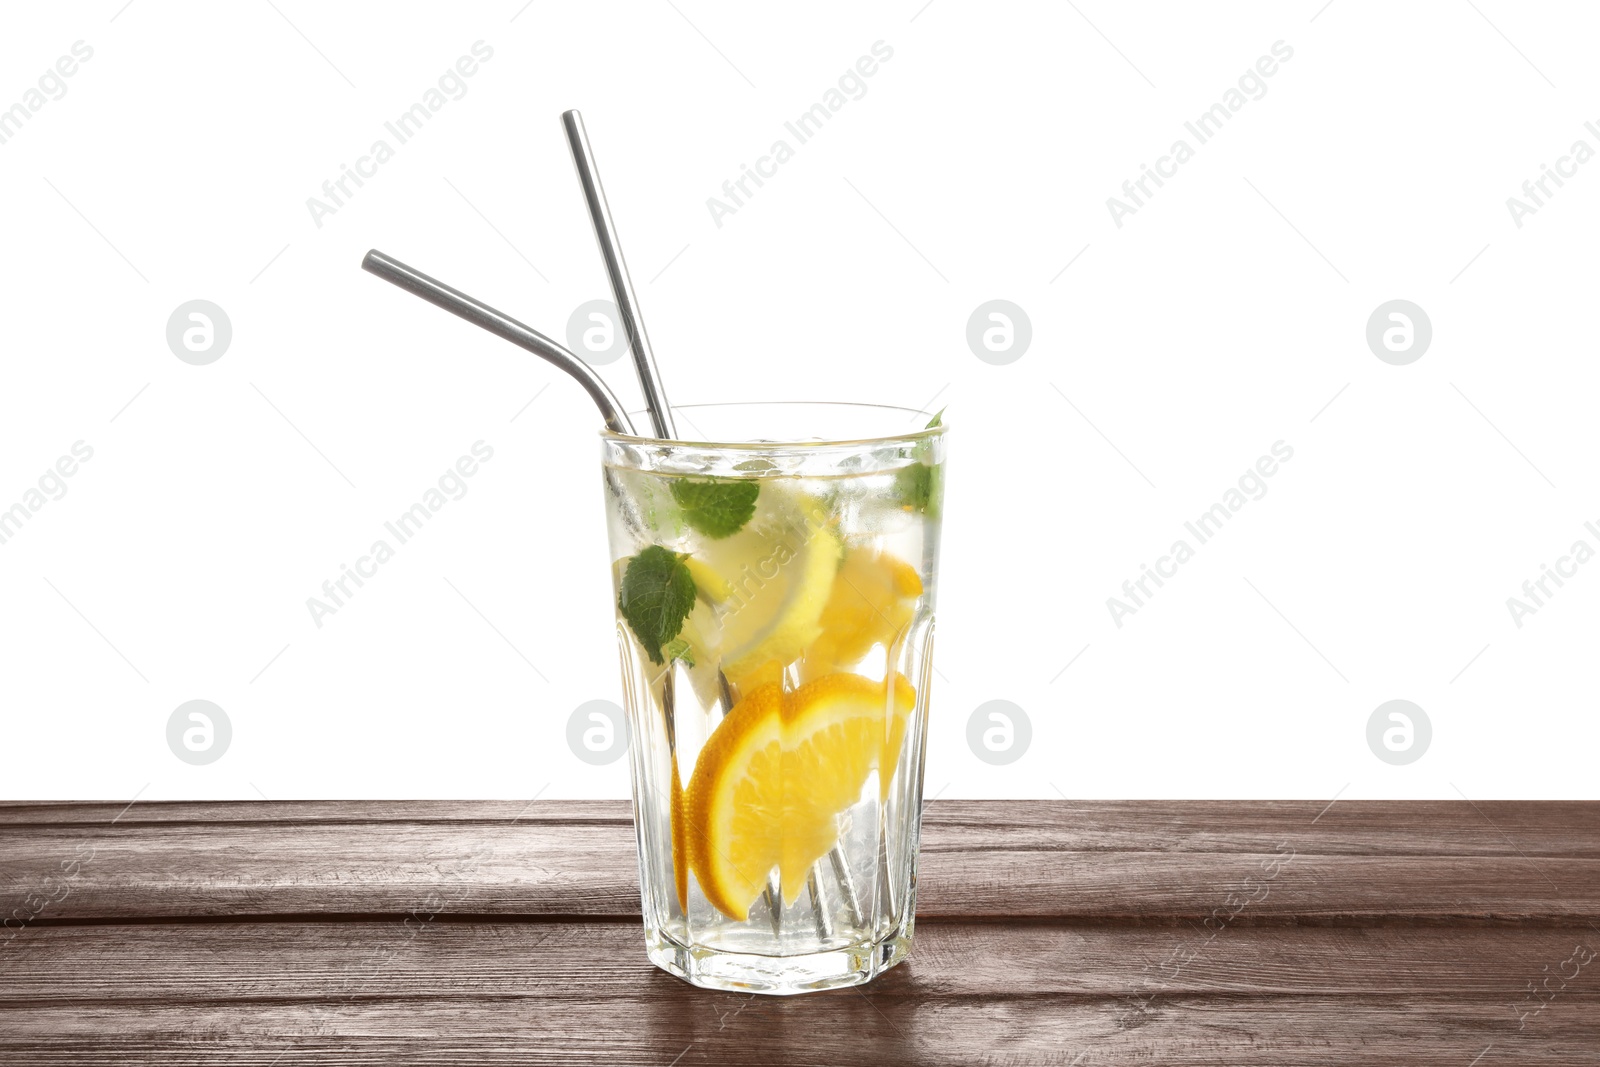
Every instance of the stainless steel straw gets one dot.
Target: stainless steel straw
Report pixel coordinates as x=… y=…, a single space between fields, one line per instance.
x=501 y=325
x=655 y=399
x=605 y=231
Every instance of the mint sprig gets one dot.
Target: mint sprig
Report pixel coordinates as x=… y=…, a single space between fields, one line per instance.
x=657 y=595
x=717 y=508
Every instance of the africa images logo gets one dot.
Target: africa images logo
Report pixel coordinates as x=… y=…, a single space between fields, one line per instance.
x=405 y=126
x=802 y=129
x=1203 y=128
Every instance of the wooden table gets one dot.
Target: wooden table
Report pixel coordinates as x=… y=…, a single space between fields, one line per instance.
x=1048 y=932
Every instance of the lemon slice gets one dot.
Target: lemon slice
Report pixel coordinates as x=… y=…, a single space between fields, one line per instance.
x=708 y=584
x=770 y=583
x=770 y=783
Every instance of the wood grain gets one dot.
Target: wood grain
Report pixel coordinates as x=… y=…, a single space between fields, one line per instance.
x=154 y=962
x=1425 y=827
x=1049 y=932
x=1042 y=859
x=829 y=1030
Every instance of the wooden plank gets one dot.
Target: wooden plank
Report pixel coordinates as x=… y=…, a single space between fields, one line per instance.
x=1348 y=827
x=333 y=961
x=840 y=1029
x=191 y=869
x=1355 y=827
x=174 y=869
x=1103 y=886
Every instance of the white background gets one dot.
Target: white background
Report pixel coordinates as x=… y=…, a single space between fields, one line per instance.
x=1227 y=314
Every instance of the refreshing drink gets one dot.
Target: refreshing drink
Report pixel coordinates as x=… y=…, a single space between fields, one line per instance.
x=775 y=615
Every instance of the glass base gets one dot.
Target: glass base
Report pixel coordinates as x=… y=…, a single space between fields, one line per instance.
x=746 y=972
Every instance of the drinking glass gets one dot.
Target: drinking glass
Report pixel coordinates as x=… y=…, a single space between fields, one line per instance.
x=774 y=579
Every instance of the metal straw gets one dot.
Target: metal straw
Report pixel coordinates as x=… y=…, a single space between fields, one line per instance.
x=501 y=325
x=655 y=399
x=605 y=231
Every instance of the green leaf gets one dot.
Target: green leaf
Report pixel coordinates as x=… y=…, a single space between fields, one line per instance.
x=921 y=487
x=678 y=648
x=657 y=595
x=718 y=508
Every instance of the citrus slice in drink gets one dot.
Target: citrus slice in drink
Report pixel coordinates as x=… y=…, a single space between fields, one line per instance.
x=773 y=579
x=871 y=603
x=680 y=849
x=774 y=776
x=708 y=584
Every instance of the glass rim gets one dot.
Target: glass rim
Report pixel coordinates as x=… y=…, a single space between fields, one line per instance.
x=643 y=416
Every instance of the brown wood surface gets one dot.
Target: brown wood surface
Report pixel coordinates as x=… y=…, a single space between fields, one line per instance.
x=1049 y=932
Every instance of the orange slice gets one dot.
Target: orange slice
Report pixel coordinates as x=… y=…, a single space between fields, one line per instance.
x=680 y=848
x=871 y=603
x=776 y=773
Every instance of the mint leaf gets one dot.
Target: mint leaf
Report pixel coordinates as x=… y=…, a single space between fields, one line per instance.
x=718 y=508
x=921 y=487
x=657 y=595
x=678 y=648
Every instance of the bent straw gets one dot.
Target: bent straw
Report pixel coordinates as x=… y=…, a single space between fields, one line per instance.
x=501 y=325
x=605 y=232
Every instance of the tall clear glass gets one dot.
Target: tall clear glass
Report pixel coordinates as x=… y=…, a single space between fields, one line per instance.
x=775 y=597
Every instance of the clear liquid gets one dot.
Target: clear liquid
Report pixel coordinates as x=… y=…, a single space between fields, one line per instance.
x=816 y=584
